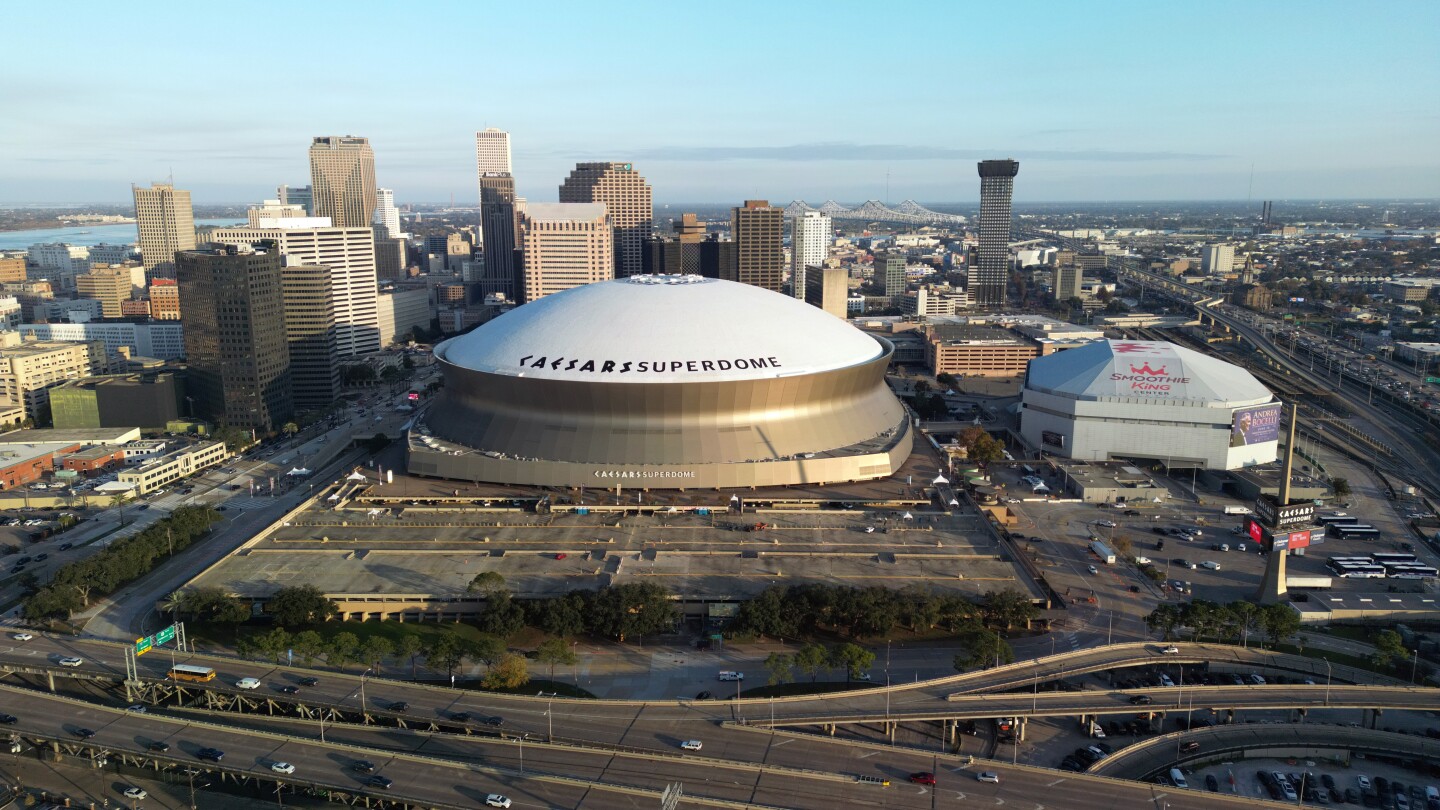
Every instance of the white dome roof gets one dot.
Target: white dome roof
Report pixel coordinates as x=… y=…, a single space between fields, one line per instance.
x=695 y=329
x=1145 y=369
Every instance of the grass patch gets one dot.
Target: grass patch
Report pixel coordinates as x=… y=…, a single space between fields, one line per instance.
x=1356 y=661
x=793 y=689
x=534 y=687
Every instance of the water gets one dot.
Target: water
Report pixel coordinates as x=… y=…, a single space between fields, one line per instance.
x=86 y=234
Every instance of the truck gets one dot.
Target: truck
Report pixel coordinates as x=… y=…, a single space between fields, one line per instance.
x=1308 y=582
x=1103 y=552
x=1237 y=510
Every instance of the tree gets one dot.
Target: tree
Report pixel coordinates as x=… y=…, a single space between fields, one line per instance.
x=768 y=614
x=289 y=429
x=984 y=647
x=553 y=651
x=444 y=651
x=1122 y=544
x=308 y=645
x=1165 y=618
x=408 y=646
x=486 y=649
x=1389 y=648
x=342 y=650
x=117 y=501
x=946 y=379
x=510 y=672
x=561 y=616
x=235 y=439
x=273 y=643
x=631 y=609
x=1341 y=487
x=853 y=658
x=503 y=616
x=809 y=660
x=780 y=666
x=487 y=583
x=1279 y=621
x=1009 y=608
x=374 y=650
x=296 y=605
x=921 y=386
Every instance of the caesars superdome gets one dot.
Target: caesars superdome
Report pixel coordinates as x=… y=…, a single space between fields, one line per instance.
x=662 y=381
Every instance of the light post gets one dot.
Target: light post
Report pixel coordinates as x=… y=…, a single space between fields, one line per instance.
x=1327 y=681
x=522 y=754
x=1414 y=662
x=550 y=723
x=363 y=704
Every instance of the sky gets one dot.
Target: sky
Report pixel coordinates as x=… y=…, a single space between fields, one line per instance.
x=719 y=102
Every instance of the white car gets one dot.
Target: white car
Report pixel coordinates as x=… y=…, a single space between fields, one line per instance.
x=497 y=800
x=133 y=792
x=1171 y=650
x=1362 y=782
x=21 y=636
x=71 y=661
x=1109 y=524
x=692 y=745
x=248 y=683
x=988 y=776
x=1211 y=564
x=1093 y=569
x=282 y=767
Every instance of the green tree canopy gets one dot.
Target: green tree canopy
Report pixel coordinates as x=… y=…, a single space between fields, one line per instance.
x=297 y=605
x=555 y=651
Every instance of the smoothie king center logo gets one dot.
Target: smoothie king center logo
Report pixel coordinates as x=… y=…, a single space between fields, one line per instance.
x=1152 y=381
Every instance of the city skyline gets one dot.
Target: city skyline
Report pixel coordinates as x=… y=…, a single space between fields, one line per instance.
x=1146 y=103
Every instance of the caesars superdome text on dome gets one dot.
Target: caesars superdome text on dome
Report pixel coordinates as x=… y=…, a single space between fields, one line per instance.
x=644 y=366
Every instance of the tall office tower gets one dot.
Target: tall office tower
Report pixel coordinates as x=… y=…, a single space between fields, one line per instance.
x=1217 y=259
x=499 y=233
x=298 y=195
x=828 y=288
x=626 y=196
x=342 y=174
x=111 y=286
x=167 y=225
x=492 y=152
x=310 y=335
x=565 y=245
x=350 y=255
x=758 y=230
x=890 y=273
x=1068 y=278
x=810 y=237
x=387 y=215
x=689 y=229
x=986 y=286
x=239 y=365
x=1265 y=213
x=265 y=214
x=390 y=256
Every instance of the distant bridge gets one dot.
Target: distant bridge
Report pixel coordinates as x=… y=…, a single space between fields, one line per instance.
x=908 y=212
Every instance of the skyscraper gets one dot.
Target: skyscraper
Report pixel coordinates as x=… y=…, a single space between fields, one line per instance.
x=310 y=335
x=298 y=195
x=342 y=174
x=829 y=289
x=166 y=223
x=1068 y=278
x=890 y=274
x=810 y=237
x=991 y=271
x=350 y=255
x=758 y=230
x=565 y=245
x=492 y=151
x=1217 y=259
x=239 y=365
x=626 y=196
x=498 y=225
x=387 y=216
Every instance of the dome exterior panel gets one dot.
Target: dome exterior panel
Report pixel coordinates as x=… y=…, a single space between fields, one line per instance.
x=1145 y=371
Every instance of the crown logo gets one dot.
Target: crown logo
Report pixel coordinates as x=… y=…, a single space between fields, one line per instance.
x=1145 y=369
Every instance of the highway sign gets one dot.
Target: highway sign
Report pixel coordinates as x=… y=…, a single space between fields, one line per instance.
x=165 y=635
x=143 y=645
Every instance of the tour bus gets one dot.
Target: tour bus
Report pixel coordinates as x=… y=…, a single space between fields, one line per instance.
x=186 y=672
x=1414 y=571
x=1383 y=557
x=1347 y=531
x=1336 y=520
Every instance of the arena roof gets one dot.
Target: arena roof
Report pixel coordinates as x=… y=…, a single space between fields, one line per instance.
x=662 y=329
x=1129 y=369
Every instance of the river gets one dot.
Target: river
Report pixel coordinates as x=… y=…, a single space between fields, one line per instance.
x=85 y=234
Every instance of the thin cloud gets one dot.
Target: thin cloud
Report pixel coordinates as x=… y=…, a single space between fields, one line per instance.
x=859 y=151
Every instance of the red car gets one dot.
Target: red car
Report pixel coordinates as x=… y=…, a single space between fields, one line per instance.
x=923 y=778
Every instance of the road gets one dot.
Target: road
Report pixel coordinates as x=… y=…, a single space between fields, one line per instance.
x=781 y=771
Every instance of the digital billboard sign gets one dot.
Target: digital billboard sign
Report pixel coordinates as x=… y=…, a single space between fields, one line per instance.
x=1255 y=425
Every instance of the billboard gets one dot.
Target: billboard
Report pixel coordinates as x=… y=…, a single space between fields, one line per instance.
x=1255 y=425
x=1052 y=438
x=1291 y=540
x=1257 y=532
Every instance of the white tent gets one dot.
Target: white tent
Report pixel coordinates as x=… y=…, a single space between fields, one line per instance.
x=909 y=516
x=355 y=476
x=298 y=471
x=941 y=479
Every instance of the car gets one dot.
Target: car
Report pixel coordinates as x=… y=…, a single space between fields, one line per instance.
x=988 y=776
x=159 y=746
x=923 y=778
x=1211 y=783
x=137 y=708
x=1104 y=748
x=460 y=717
x=399 y=706
x=704 y=696
x=380 y=781
x=211 y=754
x=144 y=506
x=1171 y=650
x=497 y=800
x=362 y=766
x=1190 y=747
x=248 y=683
x=21 y=636
x=692 y=745
x=84 y=733
x=9 y=719
x=282 y=767
x=1210 y=564
x=288 y=689
x=41 y=557
x=1093 y=569
x=494 y=720
x=71 y=661
x=1183 y=563
x=134 y=792
x=1132 y=512
x=1109 y=524
x=1140 y=700
x=308 y=681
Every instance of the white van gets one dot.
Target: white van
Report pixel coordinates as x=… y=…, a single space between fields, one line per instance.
x=1178 y=778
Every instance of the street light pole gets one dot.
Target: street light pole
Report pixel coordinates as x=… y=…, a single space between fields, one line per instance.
x=1327 y=681
x=363 y=704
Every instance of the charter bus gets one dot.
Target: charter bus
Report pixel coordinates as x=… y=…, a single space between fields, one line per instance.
x=186 y=672
x=1335 y=520
x=1383 y=557
x=1414 y=572
x=1346 y=531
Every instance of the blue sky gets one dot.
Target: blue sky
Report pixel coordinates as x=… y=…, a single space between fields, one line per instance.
x=716 y=102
